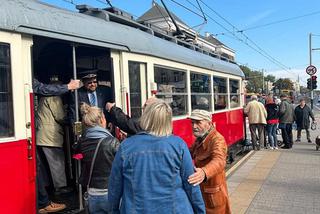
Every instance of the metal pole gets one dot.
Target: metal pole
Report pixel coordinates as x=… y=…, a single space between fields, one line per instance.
x=262 y=81
x=78 y=166
x=310 y=62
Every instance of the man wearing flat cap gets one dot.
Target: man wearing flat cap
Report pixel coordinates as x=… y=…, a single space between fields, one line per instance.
x=209 y=153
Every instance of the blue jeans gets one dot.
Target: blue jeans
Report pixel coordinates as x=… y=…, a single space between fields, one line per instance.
x=272 y=134
x=98 y=204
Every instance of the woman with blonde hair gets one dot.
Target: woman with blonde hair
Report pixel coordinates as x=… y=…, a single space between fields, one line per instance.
x=150 y=171
x=95 y=173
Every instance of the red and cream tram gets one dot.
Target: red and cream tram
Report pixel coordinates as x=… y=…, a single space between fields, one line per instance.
x=37 y=40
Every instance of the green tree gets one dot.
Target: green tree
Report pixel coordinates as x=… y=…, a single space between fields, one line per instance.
x=270 y=78
x=284 y=84
x=254 y=79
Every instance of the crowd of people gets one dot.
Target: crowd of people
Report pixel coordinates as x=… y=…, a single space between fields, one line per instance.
x=151 y=171
x=268 y=114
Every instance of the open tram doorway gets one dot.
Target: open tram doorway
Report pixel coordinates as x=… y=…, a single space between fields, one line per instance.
x=54 y=58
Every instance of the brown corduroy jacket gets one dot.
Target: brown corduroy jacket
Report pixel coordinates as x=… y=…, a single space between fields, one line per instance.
x=210 y=155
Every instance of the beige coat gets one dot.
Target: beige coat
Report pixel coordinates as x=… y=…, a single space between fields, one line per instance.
x=49 y=119
x=256 y=112
x=211 y=155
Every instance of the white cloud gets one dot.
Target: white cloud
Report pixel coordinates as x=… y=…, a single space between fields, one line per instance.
x=257 y=17
x=292 y=74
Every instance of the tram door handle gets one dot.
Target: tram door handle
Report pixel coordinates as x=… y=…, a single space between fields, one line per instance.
x=29 y=147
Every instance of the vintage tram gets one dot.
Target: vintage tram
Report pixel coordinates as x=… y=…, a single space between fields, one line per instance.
x=37 y=40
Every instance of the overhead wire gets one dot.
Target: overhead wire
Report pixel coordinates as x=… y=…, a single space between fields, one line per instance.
x=280 y=21
x=256 y=47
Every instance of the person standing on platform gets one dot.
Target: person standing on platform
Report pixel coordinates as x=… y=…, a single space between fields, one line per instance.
x=257 y=115
x=286 y=118
x=272 y=122
x=302 y=115
x=210 y=154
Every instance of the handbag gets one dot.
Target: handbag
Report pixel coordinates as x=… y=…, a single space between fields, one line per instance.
x=86 y=194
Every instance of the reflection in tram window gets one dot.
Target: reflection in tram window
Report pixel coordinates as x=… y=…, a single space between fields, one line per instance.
x=234 y=93
x=200 y=91
x=6 y=108
x=172 y=88
x=220 y=93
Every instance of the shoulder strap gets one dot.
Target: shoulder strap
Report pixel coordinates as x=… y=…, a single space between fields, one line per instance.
x=93 y=160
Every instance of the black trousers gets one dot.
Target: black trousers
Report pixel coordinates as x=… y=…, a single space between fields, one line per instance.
x=287 y=137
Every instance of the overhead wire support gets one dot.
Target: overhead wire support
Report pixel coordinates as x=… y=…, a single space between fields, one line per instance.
x=233 y=33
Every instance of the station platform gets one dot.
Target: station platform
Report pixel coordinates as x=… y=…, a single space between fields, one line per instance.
x=277 y=181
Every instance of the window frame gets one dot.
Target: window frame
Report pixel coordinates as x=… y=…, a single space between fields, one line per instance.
x=209 y=93
x=238 y=94
x=10 y=109
x=185 y=94
x=225 y=94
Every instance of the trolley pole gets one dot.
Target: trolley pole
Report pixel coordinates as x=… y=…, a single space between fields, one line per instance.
x=310 y=63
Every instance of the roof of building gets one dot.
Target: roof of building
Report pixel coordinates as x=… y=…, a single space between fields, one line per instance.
x=157 y=12
x=36 y=18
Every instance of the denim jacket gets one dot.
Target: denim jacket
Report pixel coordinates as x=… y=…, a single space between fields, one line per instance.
x=149 y=175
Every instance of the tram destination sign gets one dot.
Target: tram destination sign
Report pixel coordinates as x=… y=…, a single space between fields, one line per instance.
x=311 y=70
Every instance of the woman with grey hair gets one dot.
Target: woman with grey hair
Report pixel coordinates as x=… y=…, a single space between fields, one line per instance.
x=150 y=171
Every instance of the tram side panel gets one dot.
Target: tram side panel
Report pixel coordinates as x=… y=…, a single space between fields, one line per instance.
x=17 y=148
x=228 y=123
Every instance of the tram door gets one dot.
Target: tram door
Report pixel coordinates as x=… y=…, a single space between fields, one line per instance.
x=17 y=157
x=137 y=81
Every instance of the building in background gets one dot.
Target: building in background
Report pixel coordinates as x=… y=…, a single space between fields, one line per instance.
x=157 y=17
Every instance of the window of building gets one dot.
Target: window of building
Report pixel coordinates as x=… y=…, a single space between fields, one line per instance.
x=173 y=88
x=137 y=70
x=6 y=104
x=234 y=93
x=220 y=93
x=200 y=91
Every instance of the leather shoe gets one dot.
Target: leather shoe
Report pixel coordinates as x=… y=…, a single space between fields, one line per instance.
x=52 y=207
x=309 y=141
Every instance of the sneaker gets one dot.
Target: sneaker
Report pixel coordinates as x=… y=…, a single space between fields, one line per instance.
x=298 y=140
x=52 y=207
x=276 y=148
x=271 y=148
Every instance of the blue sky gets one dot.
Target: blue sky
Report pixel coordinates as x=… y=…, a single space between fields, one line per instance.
x=287 y=42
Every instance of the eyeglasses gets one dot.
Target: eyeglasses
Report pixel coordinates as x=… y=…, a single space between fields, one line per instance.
x=89 y=83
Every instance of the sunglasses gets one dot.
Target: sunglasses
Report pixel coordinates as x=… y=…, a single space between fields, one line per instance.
x=89 y=83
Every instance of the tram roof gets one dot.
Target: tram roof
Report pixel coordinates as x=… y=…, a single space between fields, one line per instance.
x=37 y=18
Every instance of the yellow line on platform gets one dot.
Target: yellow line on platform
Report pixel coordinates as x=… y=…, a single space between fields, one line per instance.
x=235 y=167
x=245 y=192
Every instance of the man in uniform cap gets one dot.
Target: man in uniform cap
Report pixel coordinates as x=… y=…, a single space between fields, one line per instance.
x=92 y=93
x=209 y=153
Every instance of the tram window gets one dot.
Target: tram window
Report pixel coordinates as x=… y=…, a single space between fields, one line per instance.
x=200 y=91
x=136 y=71
x=6 y=104
x=234 y=93
x=220 y=93
x=172 y=88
